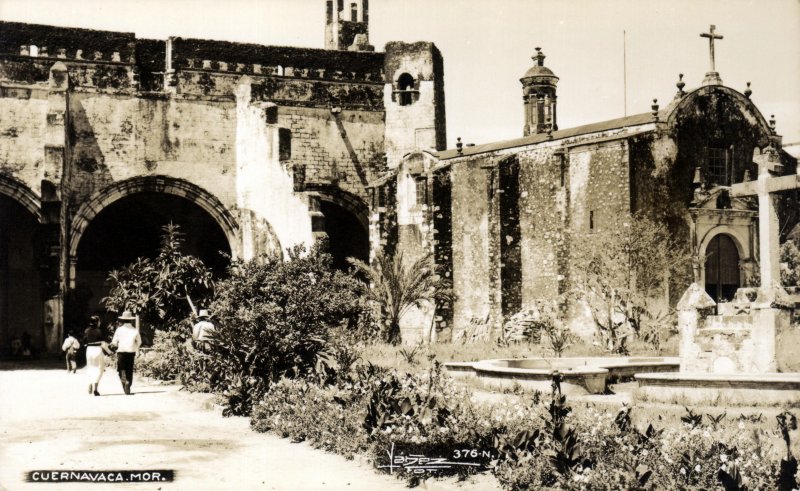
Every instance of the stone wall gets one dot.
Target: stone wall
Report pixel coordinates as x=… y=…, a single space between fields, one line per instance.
x=471 y=261
x=23 y=118
x=115 y=138
x=344 y=148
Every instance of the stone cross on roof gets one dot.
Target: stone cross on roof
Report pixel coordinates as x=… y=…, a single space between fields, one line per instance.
x=766 y=188
x=712 y=77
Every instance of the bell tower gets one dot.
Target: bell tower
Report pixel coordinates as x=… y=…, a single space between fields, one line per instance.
x=347 y=25
x=539 y=96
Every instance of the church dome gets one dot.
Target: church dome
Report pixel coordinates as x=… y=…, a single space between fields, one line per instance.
x=539 y=70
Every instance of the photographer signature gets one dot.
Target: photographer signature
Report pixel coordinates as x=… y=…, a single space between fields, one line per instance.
x=419 y=464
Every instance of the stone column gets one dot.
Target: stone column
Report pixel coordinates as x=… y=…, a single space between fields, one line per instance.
x=768 y=234
x=774 y=338
x=54 y=216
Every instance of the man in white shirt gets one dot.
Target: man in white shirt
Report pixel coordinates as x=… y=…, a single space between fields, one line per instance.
x=127 y=341
x=201 y=332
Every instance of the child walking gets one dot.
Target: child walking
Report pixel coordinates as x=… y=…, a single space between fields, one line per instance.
x=70 y=347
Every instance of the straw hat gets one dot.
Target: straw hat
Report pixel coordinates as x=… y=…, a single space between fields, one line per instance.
x=203 y=314
x=127 y=316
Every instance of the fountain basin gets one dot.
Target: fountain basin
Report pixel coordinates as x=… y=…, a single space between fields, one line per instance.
x=584 y=375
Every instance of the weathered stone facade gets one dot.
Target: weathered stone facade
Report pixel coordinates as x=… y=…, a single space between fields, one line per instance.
x=517 y=205
x=104 y=137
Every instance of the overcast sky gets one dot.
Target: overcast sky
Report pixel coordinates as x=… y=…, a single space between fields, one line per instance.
x=487 y=47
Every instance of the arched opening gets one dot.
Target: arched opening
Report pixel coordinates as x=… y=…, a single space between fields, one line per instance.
x=722 y=268
x=131 y=227
x=347 y=236
x=21 y=326
x=405 y=88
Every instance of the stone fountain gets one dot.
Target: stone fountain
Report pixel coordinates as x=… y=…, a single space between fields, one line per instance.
x=745 y=352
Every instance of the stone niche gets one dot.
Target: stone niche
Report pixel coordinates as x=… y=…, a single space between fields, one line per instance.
x=752 y=334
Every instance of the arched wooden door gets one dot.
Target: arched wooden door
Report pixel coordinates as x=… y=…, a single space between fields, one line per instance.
x=722 y=268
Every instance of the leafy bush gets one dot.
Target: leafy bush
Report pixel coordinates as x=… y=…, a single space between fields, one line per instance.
x=621 y=273
x=396 y=287
x=790 y=261
x=543 y=444
x=160 y=289
x=163 y=360
x=274 y=319
x=373 y=410
x=171 y=358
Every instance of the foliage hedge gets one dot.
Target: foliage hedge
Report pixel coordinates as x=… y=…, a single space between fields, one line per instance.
x=284 y=352
x=541 y=444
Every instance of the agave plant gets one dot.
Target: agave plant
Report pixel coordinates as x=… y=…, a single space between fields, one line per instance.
x=398 y=285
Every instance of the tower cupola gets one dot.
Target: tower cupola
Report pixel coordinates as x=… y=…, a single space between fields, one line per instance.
x=539 y=95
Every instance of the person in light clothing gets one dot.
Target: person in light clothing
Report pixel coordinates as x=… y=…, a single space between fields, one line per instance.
x=127 y=341
x=95 y=354
x=70 y=347
x=201 y=332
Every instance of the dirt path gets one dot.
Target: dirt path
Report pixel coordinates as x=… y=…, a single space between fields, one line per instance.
x=48 y=421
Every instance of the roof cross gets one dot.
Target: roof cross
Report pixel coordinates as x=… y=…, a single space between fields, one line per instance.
x=711 y=37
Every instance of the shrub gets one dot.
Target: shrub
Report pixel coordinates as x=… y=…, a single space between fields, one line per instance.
x=326 y=417
x=171 y=358
x=274 y=319
x=621 y=273
x=396 y=287
x=160 y=290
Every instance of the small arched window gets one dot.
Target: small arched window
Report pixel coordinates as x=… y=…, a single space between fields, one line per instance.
x=406 y=92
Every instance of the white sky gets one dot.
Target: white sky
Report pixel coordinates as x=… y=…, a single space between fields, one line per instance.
x=487 y=47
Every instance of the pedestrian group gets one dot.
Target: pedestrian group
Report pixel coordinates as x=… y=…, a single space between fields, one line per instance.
x=125 y=342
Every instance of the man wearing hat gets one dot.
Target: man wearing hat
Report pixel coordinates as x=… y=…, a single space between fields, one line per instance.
x=201 y=332
x=127 y=341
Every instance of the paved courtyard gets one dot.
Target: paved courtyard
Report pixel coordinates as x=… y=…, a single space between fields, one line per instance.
x=49 y=421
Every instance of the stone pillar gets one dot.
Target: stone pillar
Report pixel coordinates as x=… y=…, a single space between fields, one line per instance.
x=693 y=307
x=769 y=237
x=54 y=218
x=774 y=337
x=279 y=218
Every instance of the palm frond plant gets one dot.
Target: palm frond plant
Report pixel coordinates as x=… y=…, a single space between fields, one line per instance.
x=397 y=285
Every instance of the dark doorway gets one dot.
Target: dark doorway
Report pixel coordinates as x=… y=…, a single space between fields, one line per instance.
x=21 y=316
x=130 y=228
x=722 y=268
x=347 y=236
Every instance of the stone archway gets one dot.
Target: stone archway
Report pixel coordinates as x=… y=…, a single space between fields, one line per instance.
x=154 y=184
x=21 y=302
x=346 y=225
x=125 y=222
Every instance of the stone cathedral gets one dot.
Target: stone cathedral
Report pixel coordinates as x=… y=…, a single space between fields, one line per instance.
x=251 y=149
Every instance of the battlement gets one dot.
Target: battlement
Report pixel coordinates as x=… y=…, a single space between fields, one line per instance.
x=43 y=41
x=254 y=59
x=152 y=59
